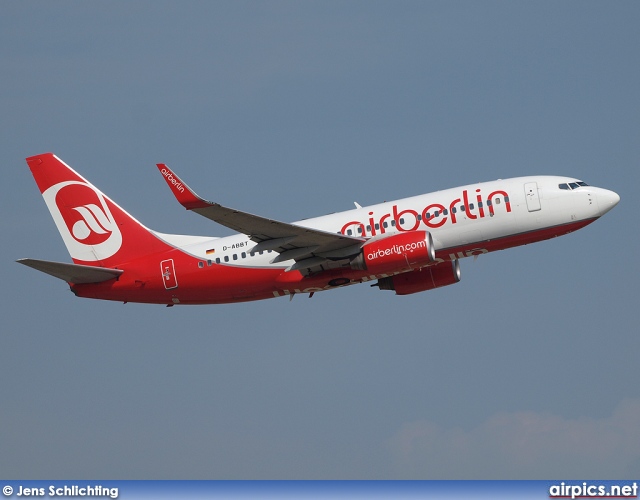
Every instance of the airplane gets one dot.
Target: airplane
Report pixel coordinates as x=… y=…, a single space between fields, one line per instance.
x=408 y=245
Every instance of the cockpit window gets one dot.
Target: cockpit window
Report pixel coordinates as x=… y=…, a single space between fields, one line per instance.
x=572 y=185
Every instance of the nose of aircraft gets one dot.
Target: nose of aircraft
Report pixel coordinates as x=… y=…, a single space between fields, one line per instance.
x=607 y=200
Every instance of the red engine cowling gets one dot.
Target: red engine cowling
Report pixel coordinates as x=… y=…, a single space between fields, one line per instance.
x=396 y=253
x=423 y=279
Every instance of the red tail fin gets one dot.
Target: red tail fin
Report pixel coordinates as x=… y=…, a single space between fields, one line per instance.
x=96 y=231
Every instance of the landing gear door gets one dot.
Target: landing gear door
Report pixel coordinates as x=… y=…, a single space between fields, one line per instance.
x=531 y=194
x=168 y=274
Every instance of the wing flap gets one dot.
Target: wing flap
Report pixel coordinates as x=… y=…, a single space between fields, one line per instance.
x=72 y=273
x=312 y=262
x=295 y=254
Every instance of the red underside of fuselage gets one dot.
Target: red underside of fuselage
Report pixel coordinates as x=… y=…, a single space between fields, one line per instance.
x=218 y=284
x=514 y=240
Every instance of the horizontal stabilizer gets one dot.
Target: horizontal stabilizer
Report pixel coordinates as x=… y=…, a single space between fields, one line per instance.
x=73 y=273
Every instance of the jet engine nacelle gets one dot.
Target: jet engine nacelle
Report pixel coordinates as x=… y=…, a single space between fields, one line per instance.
x=423 y=279
x=396 y=253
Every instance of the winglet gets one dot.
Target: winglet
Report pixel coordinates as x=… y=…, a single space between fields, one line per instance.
x=183 y=193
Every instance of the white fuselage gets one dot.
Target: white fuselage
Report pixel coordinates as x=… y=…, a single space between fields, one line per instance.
x=457 y=217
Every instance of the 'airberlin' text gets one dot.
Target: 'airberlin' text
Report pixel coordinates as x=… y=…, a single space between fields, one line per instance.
x=433 y=216
x=176 y=183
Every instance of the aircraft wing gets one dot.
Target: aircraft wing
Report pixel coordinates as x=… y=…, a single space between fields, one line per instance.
x=308 y=247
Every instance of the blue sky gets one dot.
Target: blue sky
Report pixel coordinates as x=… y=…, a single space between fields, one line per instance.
x=528 y=368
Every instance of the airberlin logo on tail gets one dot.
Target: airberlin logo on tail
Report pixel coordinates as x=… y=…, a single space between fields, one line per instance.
x=84 y=220
x=176 y=183
x=94 y=222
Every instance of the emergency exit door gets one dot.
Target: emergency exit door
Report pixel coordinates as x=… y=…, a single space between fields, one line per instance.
x=531 y=194
x=168 y=274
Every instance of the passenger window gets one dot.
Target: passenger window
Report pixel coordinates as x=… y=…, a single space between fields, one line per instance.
x=506 y=199
x=453 y=210
x=235 y=256
x=200 y=264
x=497 y=201
x=349 y=232
x=402 y=220
x=393 y=222
x=471 y=206
x=209 y=263
x=377 y=227
x=445 y=212
x=359 y=229
x=384 y=224
x=244 y=255
x=226 y=258
x=436 y=213
x=369 y=228
x=217 y=260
